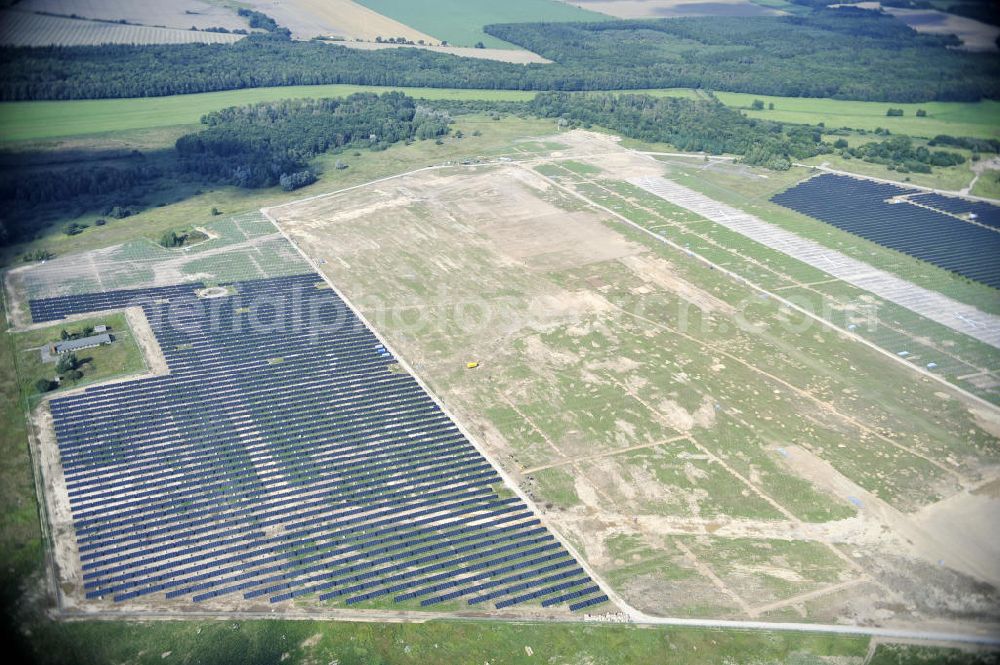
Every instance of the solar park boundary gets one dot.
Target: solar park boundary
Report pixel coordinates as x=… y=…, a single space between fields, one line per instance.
x=61 y=612
x=614 y=598
x=634 y=616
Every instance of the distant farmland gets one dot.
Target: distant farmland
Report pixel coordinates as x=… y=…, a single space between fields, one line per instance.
x=182 y=14
x=461 y=22
x=23 y=29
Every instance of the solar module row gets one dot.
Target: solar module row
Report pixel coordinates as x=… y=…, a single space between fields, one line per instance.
x=860 y=207
x=984 y=213
x=281 y=457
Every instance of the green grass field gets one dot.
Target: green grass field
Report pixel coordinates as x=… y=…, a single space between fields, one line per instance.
x=981 y=119
x=25 y=121
x=50 y=119
x=460 y=22
x=122 y=357
x=988 y=185
x=494 y=137
x=251 y=642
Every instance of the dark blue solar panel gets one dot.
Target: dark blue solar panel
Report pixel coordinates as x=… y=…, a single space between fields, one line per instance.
x=280 y=457
x=863 y=207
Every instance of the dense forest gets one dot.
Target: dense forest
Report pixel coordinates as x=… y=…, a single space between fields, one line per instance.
x=899 y=154
x=695 y=125
x=845 y=53
x=274 y=144
x=271 y=143
x=262 y=145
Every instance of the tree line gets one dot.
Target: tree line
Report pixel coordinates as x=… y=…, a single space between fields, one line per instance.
x=272 y=143
x=275 y=143
x=261 y=145
x=693 y=125
x=844 y=53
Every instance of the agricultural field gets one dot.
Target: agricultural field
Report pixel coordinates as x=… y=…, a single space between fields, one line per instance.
x=180 y=14
x=345 y=19
x=702 y=466
x=675 y=8
x=975 y=35
x=978 y=119
x=518 y=56
x=19 y=28
x=21 y=121
x=460 y=22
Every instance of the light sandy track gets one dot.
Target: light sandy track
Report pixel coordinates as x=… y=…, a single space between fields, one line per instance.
x=931 y=305
x=610 y=453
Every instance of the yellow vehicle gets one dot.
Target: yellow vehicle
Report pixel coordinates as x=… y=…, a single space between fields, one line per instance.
x=473 y=364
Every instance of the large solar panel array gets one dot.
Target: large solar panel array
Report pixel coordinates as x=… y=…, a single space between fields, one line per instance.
x=285 y=455
x=861 y=207
x=985 y=213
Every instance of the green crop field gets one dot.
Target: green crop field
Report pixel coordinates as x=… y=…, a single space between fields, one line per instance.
x=980 y=119
x=23 y=121
x=50 y=119
x=460 y=22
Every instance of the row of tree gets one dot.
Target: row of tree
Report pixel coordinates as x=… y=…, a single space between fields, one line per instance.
x=843 y=53
x=899 y=154
x=272 y=143
x=696 y=125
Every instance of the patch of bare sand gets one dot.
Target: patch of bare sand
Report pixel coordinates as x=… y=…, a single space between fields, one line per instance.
x=516 y=56
x=970 y=524
x=656 y=271
x=325 y=18
x=69 y=573
x=952 y=532
x=679 y=418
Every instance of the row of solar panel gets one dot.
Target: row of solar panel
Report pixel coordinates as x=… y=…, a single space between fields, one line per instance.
x=860 y=207
x=233 y=446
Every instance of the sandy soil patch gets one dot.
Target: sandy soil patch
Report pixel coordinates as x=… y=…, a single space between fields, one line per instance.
x=69 y=573
x=961 y=532
x=343 y=18
x=517 y=56
x=658 y=272
x=181 y=14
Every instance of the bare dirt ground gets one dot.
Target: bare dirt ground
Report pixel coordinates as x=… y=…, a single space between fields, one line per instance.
x=181 y=14
x=517 y=56
x=325 y=18
x=606 y=417
x=60 y=518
